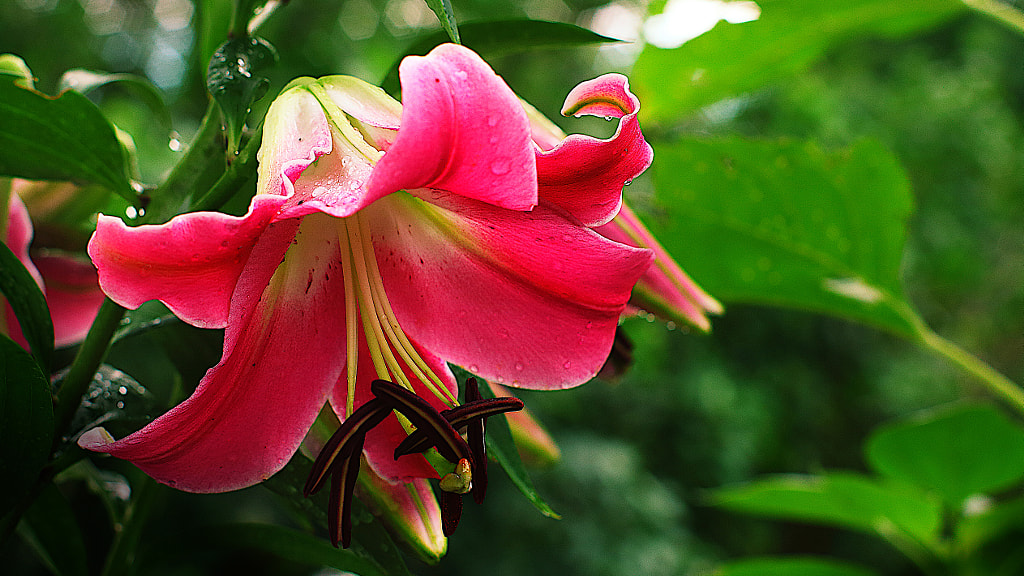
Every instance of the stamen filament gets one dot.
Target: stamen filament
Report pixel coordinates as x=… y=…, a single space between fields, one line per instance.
x=380 y=351
x=351 y=324
x=396 y=334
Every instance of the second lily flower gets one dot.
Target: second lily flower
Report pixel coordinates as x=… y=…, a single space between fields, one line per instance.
x=385 y=241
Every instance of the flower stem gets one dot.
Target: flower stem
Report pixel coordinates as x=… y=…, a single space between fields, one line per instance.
x=90 y=354
x=121 y=558
x=994 y=382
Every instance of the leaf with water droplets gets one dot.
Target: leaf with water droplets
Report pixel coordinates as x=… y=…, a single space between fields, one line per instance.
x=115 y=401
x=236 y=79
x=788 y=224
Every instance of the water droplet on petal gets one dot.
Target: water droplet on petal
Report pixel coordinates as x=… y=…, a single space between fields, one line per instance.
x=499 y=167
x=567 y=365
x=474 y=368
x=499 y=380
x=590 y=325
x=492 y=120
x=519 y=366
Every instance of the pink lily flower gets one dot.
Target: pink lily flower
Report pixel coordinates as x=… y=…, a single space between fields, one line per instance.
x=385 y=241
x=69 y=284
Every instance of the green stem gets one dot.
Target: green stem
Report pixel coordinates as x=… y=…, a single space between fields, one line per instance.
x=121 y=558
x=1005 y=13
x=90 y=354
x=240 y=171
x=996 y=383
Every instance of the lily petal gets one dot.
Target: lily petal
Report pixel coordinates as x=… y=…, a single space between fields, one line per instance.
x=72 y=294
x=664 y=288
x=18 y=237
x=295 y=133
x=191 y=263
x=526 y=299
x=283 y=351
x=584 y=175
x=463 y=131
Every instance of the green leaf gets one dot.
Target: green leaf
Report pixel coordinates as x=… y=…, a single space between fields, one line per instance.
x=51 y=531
x=26 y=422
x=29 y=305
x=502 y=37
x=443 y=10
x=86 y=81
x=295 y=546
x=117 y=402
x=838 y=499
x=502 y=449
x=956 y=451
x=236 y=79
x=787 y=224
x=791 y=567
x=788 y=37
x=62 y=138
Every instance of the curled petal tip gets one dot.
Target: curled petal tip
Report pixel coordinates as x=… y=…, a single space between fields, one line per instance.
x=96 y=439
x=606 y=95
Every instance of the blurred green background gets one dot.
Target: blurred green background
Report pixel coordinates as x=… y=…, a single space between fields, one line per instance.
x=770 y=390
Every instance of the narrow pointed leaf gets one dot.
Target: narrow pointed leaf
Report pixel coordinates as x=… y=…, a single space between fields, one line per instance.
x=501 y=447
x=26 y=422
x=501 y=37
x=788 y=224
x=62 y=138
x=29 y=305
x=443 y=10
x=236 y=78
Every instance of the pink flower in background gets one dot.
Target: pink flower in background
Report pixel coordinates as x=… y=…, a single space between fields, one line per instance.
x=385 y=241
x=69 y=283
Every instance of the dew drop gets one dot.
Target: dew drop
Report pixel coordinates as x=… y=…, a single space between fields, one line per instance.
x=499 y=167
x=567 y=365
x=123 y=390
x=609 y=118
x=500 y=380
x=590 y=325
x=474 y=368
x=519 y=366
x=492 y=121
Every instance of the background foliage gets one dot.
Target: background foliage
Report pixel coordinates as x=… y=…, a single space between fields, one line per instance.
x=847 y=178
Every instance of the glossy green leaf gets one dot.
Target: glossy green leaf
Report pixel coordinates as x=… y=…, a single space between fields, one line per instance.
x=956 y=451
x=443 y=10
x=86 y=81
x=295 y=546
x=29 y=305
x=502 y=449
x=788 y=224
x=838 y=499
x=117 y=402
x=62 y=138
x=785 y=566
x=236 y=78
x=51 y=531
x=790 y=35
x=501 y=37
x=26 y=422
